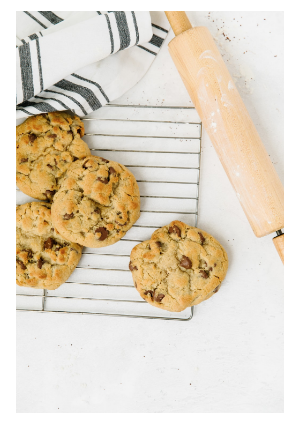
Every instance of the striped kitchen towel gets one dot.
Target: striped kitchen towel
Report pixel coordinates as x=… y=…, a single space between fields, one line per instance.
x=80 y=61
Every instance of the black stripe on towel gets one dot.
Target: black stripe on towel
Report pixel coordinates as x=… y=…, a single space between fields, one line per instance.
x=123 y=30
x=33 y=36
x=86 y=93
x=146 y=49
x=24 y=111
x=110 y=34
x=39 y=65
x=157 y=41
x=93 y=83
x=70 y=97
x=41 y=106
x=26 y=71
x=36 y=20
x=53 y=99
x=159 y=27
x=135 y=27
x=52 y=17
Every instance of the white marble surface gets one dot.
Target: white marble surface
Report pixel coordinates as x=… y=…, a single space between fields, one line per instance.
x=229 y=357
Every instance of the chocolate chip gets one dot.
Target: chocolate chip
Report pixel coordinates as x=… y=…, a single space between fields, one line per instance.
x=32 y=137
x=52 y=136
x=131 y=267
x=86 y=166
x=68 y=216
x=24 y=159
x=29 y=254
x=50 y=193
x=159 y=298
x=186 y=262
x=111 y=170
x=21 y=264
x=202 y=238
x=210 y=268
x=58 y=248
x=104 y=233
x=48 y=244
x=48 y=165
x=149 y=292
x=78 y=131
x=217 y=289
x=176 y=230
x=70 y=132
x=103 y=180
x=204 y=274
x=104 y=160
x=159 y=244
x=40 y=263
x=96 y=210
x=215 y=264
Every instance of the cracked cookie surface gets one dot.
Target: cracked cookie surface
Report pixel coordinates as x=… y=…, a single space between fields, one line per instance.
x=46 y=145
x=180 y=266
x=98 y=202
x=43 y=258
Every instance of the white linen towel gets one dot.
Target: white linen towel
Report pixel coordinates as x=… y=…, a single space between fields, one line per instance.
x=80 y=61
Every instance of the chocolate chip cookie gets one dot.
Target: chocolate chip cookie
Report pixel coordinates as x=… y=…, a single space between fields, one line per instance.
x=180 y=266
x=98 y=202
x=46 y=145
x=43 y=258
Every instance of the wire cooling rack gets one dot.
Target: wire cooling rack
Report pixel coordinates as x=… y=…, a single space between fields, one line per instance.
x=162 y=147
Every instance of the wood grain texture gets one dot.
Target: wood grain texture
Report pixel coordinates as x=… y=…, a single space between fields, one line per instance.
x=178 y=21
x=230 y=128
x=279 y=244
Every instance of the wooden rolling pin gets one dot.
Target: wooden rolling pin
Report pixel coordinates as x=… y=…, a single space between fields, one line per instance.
x=229 y=127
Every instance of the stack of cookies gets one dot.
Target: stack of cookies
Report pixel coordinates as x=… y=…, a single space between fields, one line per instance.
x=89 y=201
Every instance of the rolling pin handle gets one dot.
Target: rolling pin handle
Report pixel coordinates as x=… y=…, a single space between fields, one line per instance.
x=279 y=244
x=178 y=21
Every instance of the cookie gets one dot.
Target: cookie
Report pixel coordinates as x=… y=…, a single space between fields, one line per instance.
x=46 y=145
x=98 y=202
x=180 y=266
x=43 y=258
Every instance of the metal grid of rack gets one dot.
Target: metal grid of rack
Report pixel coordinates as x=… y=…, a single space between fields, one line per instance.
x=161 y=146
